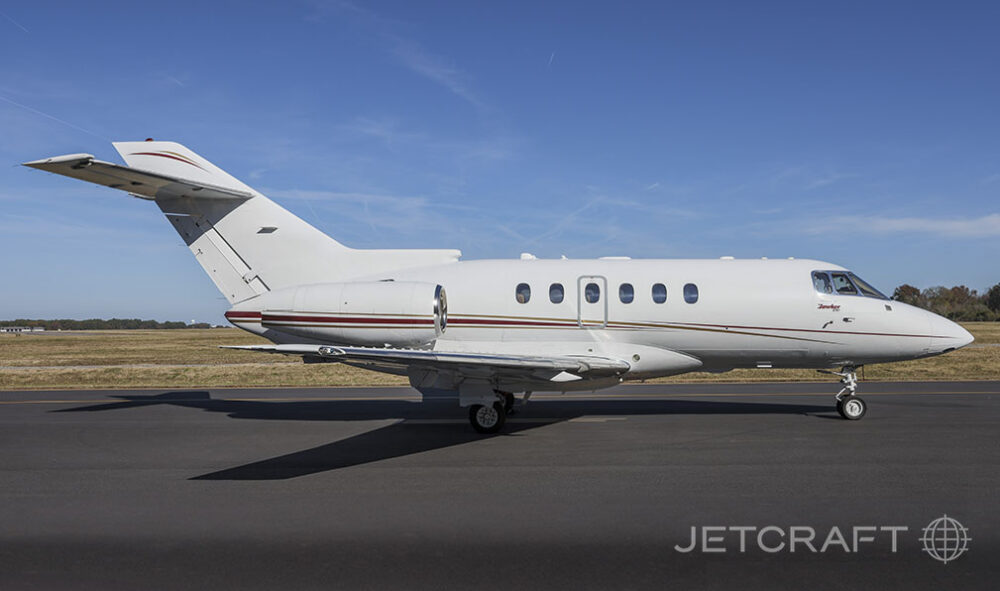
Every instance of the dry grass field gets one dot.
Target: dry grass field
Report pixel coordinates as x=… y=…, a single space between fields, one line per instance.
x=191 y=358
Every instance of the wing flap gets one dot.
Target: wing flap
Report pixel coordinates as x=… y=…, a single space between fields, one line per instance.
x=138 y=182
x=464 y=362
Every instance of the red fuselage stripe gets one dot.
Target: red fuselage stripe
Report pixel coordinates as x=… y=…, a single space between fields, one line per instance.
x=509 y=322
x=267 y=318
x=236 y=314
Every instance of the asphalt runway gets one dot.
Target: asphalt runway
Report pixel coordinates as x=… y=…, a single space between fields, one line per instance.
x=370 y=488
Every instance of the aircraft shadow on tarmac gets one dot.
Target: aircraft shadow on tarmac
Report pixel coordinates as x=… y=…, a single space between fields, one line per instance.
x=422 y=426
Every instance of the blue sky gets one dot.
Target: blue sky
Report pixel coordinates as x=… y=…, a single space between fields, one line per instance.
x=866 y=134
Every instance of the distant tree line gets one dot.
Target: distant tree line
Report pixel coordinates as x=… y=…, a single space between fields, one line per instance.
x=101 y=324
x=956 y=303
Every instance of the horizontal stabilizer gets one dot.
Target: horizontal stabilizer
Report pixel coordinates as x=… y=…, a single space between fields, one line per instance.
x=138 y=182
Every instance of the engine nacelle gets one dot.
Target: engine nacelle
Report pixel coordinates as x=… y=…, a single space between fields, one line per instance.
x=373 y=314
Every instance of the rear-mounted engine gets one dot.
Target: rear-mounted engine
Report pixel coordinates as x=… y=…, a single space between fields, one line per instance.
x=374 y=314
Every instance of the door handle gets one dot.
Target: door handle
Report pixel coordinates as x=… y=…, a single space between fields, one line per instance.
x=848 y=318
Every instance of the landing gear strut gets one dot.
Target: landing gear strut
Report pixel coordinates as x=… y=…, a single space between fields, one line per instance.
x=849 y=404
x=508 y=401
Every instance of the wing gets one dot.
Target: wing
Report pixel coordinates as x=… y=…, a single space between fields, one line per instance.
x=138 y=182
x=559 y=368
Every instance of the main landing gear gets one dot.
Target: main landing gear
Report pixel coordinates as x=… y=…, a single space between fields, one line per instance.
x=850 y=406
x=487 y=419
x=490 y=418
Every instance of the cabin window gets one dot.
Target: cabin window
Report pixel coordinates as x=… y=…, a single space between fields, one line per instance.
x=626 y=293
x=523 y=293
x=659 y=293
x=821 y=281
x=556 y=293
x=843 y=284
x=592 y=293
x=690 y=293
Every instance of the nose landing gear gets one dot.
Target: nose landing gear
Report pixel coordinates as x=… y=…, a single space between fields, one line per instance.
x=850 y=406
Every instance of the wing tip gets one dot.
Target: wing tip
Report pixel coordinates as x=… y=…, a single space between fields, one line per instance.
x=56 y=160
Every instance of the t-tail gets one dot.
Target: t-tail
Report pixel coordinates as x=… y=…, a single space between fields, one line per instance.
x=246 y=243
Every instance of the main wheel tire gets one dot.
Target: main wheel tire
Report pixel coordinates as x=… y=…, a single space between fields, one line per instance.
x=852 y=408
x=487 y=419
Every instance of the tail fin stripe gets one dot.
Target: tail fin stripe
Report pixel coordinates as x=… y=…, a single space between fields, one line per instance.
x=176 y=157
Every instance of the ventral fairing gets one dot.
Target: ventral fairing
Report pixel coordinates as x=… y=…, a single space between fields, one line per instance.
x=485 y=330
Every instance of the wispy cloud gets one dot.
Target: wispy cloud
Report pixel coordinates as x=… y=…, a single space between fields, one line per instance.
x=389 y=131
x=52 y=117
x=384 y=129
x=401 y=215
x=15 y=23
x=976 y=227
x=790 y=178
x=406 y=51
x=435 y=68
x=826 y=180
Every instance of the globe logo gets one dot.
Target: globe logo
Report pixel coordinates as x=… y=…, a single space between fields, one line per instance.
x=945 y=539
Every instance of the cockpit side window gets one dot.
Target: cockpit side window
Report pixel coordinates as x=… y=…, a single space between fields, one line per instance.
x=843 y=284
x=866 y=288
x=821 y=281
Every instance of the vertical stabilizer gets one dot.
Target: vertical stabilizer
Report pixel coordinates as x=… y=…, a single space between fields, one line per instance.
x=246 y=243
x=246 y=246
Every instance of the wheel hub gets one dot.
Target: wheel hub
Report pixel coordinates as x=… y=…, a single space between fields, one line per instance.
x=487 y=416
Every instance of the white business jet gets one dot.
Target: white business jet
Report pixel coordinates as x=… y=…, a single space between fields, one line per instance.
x=511 y=326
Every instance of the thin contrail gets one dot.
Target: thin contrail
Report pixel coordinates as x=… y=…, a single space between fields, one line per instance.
x=67 y=123
x=17 y=24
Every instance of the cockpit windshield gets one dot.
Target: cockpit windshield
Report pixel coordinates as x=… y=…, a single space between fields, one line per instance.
x=866 y=288
x=844 y=283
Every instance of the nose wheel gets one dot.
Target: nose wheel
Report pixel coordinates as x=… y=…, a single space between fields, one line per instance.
x=850 y=406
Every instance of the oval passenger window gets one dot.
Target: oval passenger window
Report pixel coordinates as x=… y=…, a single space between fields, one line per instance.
x=626 y=293
x=523 y=293
x=659 y=293
x=690 y=293
x=556 y=293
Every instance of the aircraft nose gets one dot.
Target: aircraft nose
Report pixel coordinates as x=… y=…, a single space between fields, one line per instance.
x=947 y=335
